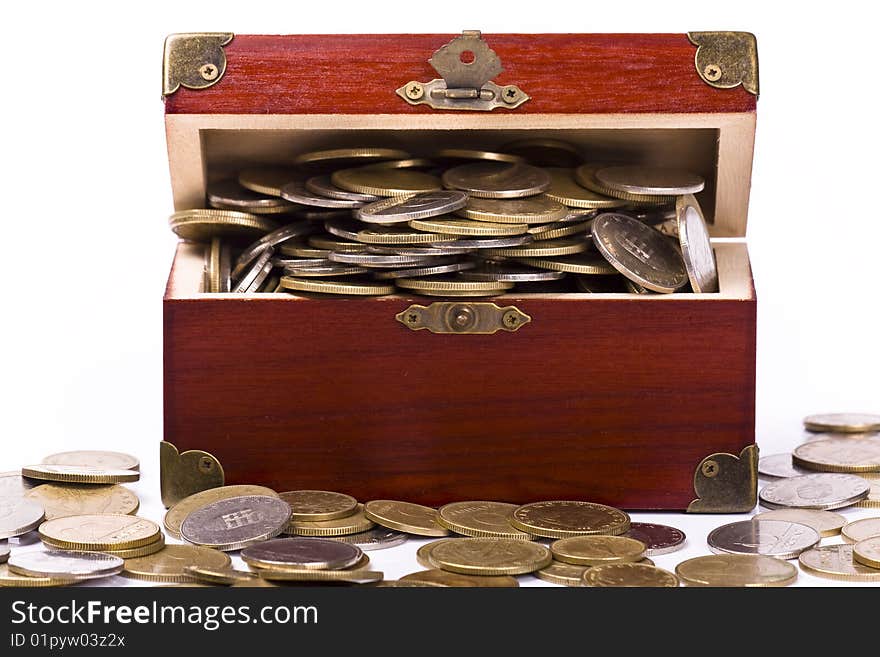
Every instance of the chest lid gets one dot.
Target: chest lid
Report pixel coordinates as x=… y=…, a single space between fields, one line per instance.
x=685 y=101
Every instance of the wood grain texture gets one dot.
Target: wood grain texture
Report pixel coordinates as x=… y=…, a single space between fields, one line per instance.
x=358 y=74
x=615 y=401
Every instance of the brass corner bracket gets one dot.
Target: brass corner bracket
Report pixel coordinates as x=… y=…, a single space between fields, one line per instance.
x=466 y=65
x=727 y=59
x=193 y=60
x=181 y=475
x=725 y=483
x=463 y=318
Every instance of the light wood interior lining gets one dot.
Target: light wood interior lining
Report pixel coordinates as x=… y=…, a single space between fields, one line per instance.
x=734 y=279
x=718 y=146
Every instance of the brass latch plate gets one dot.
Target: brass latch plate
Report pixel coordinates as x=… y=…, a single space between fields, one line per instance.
x=463 y=318
x=467 y=65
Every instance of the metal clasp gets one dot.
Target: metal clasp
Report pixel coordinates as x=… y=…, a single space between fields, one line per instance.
x=463 y=318
x=467 y=65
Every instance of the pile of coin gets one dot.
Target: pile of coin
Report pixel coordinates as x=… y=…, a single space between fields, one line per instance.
x=457 y=223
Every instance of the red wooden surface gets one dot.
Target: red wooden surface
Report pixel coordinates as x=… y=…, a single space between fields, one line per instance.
x=358 y=74
x=614 y=401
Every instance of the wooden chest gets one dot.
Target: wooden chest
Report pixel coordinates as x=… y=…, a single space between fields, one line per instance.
x=637 y=401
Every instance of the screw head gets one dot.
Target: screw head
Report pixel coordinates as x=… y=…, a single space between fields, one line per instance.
x=209 y=72
x=205 y=465
x=511 y=94
x=712 y=72
x=510 y=319
x=710 y=468
x=414 y=90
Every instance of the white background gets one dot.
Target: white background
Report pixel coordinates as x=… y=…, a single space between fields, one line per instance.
x=86 y=195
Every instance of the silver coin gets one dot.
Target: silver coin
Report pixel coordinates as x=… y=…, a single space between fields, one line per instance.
x=377 y=538
x=65 y=564
x=843 y=422
x=323 y=215
x=827 y=523
x=4 y=553
x=773 y=538
x=297 y=193
x=486 y=242
x=430 y=270
x=330 y=269
x=236 y=522
x=650 y=181
x=815 y=491
x=839 y=455
x=497 y=179
x=276 y=237
x=639 y=252
x=345 y=228
x=696 y=248
x=401 y=209
x=284 y=261
x=19 y=516
x=658 y=539
x=260 y=278
x=230 y=195
x=510 y=273
x=323 y=186
x=254 y=271
x=433 y=251
x=779 y=466
x=316 y=553
x=225 y=268
x=378 y=260
x=12 y=484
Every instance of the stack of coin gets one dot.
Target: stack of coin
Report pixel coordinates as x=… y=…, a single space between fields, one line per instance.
x=309 y=559
x=457 y=223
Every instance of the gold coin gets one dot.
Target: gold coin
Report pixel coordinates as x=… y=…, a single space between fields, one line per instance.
x=480 y=519
x=589 y=262
x=843 y=422
x=598 y=550
x=169 y=564
x=350 y=155
x=740 y=570
x=305 y=575
x=544 y=248
x=177 y=514
x=352 y=524
x=563 y=518
x=465 y=227
x=565 y=574
x=857 y=530
x=340 y=246
x=300 y=250
x=563 y=230
x=225 y=576
x=458 y=580
x=61 y=500
x=212 y=266
x=315 y=505
x=839 y=455
x=827 y=523
x=836 y=562
x=268 y=180
x=8 y=578
x=79 y=474
x=474 y=154
x=364 y=288
x=566 y=190
x=200 y=225
x=386 y=235
x=873 y=499
x=142 y=551
x=447 y=285
x=585 y=176
x=423 y=554
x=463 y=293
x=405 y=517
x=867 y=552
x=412 y=584
x=538 y=209
x=491 y=556
x=96 y=533
x=629 y=575
x=385 y=182
x=100 y=459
